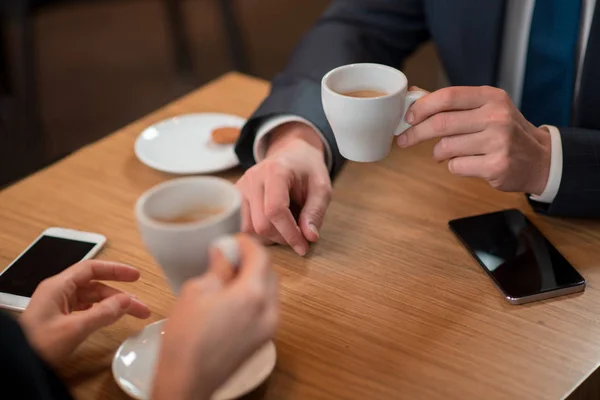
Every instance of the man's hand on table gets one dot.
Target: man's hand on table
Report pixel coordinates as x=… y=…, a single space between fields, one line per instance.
x=294 y=170
x=482 y=134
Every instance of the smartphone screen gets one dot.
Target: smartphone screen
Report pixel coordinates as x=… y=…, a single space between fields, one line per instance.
x=520 y=260
x=48 y=256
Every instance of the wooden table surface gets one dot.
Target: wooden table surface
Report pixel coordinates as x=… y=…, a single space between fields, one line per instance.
x=387 y=305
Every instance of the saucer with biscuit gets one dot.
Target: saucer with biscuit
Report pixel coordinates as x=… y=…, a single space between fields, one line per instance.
x=199 y=143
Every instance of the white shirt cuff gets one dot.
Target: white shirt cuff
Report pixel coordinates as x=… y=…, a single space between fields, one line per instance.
x=261 y=142
x=556 y=166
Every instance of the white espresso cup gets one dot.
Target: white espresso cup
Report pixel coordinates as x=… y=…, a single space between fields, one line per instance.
x=181 y=248
x=365 y=126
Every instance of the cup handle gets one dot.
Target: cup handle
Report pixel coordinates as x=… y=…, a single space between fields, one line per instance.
x=411 y=97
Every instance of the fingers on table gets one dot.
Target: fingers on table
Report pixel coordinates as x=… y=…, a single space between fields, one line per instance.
x=266 y=213
x=261 y=225
x=277 y=210
x=315 y=207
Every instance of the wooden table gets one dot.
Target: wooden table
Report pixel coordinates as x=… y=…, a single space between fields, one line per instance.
x=387 y=305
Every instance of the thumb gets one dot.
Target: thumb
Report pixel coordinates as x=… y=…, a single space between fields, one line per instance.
x=224 y=258
x=102 y=314
x=313 y=212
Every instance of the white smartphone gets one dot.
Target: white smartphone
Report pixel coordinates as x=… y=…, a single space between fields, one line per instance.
x=55 y=250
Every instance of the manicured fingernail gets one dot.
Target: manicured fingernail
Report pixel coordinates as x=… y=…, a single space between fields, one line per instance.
x=300 y=250
x=402 y=140
x=314 y=229
x=133 y=296
x=410 y=117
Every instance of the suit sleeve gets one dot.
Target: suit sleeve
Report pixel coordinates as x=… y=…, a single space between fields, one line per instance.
x=23 y=374
x=579 y=191
x=350 y=31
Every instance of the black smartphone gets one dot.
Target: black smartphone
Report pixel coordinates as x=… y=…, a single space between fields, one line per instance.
x=523 y=264
x=52 y=252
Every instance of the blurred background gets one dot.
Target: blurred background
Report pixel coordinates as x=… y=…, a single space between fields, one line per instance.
x=73 y=71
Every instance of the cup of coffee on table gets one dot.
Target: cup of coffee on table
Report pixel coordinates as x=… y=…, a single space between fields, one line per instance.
x=365 y=105
x=181 y=219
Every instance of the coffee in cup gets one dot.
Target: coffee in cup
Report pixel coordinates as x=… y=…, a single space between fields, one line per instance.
x=191 y=216
x=365 y=105
x=365 y=94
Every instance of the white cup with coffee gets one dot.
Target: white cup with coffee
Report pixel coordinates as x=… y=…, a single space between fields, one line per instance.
x=179 y=221
x=365 y=105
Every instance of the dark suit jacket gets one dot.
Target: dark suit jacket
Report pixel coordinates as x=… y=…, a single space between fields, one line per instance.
x=23 y=374
x=468 y=35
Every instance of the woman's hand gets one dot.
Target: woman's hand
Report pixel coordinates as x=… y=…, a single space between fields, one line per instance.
x=66 y=308
x=219 y=321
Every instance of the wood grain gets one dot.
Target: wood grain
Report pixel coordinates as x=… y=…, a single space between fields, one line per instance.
x=387 y=305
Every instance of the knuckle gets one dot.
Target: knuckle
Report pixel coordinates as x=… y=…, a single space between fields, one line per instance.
x=503 y=96
x=504 y=141
x=323 y=187
x=441 y=148
x=73 y=329
x=315 y=212
x=275 y=210
x=439 y=123
x=447 y=96
x=499 y=168
x=497 y=93
x=109 y=309
x=263 y=227
x=276 y=168
x=86 y=265
x=501 y=117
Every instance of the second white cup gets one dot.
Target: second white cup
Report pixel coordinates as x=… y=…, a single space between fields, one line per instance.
x=364 y=127
x=179 y=221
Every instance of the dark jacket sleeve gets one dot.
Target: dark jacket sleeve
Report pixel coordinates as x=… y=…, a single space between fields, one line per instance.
x=350 y=31
x=579 y=192
x=23 y=375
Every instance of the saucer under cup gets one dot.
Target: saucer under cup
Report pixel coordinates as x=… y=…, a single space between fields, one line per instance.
x=134 y=362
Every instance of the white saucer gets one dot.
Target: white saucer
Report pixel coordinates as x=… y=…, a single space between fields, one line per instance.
x=133 y=366
x=183 y=145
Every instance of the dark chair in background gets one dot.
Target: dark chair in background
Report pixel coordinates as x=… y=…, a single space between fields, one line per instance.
x=21 y=129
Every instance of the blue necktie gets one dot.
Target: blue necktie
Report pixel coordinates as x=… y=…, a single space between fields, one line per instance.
x=551 y=61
